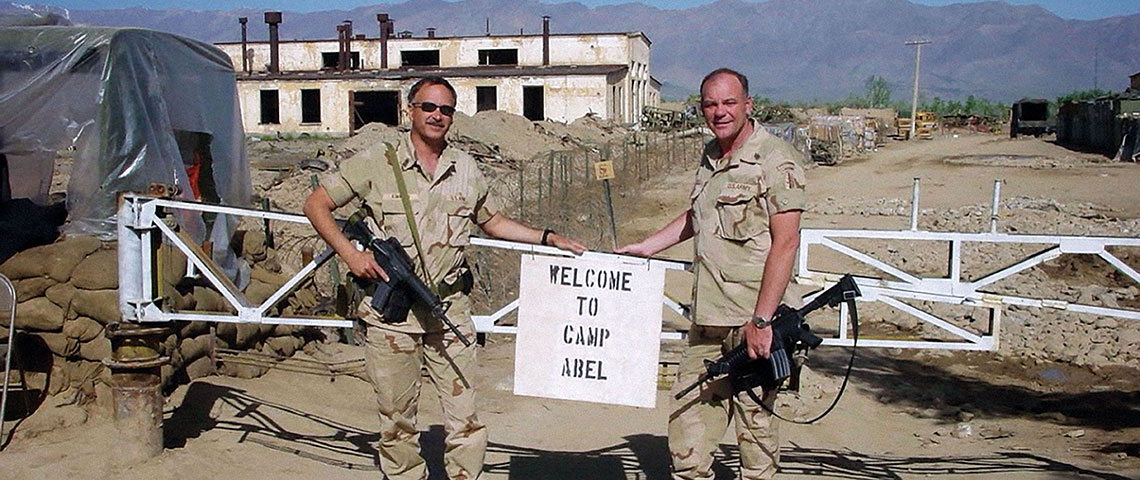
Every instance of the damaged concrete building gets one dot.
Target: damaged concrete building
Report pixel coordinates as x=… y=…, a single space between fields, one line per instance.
x=333 y=87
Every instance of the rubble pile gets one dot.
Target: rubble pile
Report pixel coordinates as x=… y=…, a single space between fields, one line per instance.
x=496 y=137
x=1043 y=334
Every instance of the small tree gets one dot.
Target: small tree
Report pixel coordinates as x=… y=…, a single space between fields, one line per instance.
x=878 y=92
x=1083 y=95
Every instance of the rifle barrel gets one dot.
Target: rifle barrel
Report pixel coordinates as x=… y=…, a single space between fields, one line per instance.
x=704 y=378
x=438 y=312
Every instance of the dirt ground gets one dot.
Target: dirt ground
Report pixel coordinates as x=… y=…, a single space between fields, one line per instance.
x=905 y=414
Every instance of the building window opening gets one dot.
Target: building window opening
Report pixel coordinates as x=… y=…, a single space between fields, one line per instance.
x=499 y=56
x=311 y=105
x=375 y=107
x=331 y=61
x=270 y=110
x=486 y=98
x=419 y=58
x=533 y=103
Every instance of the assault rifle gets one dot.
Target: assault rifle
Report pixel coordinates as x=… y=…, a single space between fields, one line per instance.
x=396 y=296
x=790 y=335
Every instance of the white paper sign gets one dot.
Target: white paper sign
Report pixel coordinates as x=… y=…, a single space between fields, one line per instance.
x=588 y=330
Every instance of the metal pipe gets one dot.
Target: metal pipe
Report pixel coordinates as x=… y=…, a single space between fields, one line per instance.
x=994 y=207
x=385 y=31
x=546 y=40
x=347 y=65
x=273 y=19
x=339 y=48
x=136 y=388
x=244 y=45
x=914 y=205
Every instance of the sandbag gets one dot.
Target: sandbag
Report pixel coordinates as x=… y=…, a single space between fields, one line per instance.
x=64 y=256
x=101 y=305
x=99 y=271
x=82 y=329
x=60 y=345
x=32 y=287
x=202 y=367
x=61 y=294
x=39 y=314
x=96 y=350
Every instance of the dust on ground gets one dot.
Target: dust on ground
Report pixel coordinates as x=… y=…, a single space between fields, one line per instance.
x=905 y=414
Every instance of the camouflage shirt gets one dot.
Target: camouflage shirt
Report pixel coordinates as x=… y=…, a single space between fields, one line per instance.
x=446 y=208
x=731 y=202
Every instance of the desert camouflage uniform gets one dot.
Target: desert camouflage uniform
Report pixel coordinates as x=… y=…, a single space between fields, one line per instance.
x=446 y=208
x=732 y=200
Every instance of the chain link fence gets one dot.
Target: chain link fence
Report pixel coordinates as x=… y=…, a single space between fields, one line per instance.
x=559 y=190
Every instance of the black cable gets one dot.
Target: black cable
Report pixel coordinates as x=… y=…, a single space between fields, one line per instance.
x=842 y=388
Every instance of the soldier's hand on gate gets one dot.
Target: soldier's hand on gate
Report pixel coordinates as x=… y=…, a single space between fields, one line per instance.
x=363 y=264
x=566 y=243
x=759 y=340
x=635 y=249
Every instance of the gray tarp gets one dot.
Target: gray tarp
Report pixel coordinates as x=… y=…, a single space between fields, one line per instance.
x=123 y=101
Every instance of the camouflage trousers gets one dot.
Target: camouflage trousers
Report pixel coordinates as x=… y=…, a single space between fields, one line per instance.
x=394 y=361
x=700 y=418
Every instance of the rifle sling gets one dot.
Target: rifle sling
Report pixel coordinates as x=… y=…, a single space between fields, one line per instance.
x=399 y=173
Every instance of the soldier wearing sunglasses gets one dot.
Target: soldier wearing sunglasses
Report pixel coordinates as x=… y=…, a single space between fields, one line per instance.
x=447 y=196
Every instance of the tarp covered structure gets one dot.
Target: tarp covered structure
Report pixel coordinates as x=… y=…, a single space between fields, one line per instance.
x=134 y=106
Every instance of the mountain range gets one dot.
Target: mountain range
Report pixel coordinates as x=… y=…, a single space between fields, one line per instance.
x=792 y=50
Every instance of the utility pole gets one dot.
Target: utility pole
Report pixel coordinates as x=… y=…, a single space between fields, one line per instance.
x=1096 y=67
x=914 y=98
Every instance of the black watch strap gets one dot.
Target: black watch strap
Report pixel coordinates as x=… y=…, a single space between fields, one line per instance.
x=546 y=235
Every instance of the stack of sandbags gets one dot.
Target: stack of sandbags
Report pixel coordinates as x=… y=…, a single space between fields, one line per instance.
x=67 y=293
x=195 y=340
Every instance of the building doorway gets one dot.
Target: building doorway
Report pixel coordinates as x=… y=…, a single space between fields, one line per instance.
x=534 y=103
x=381 y=106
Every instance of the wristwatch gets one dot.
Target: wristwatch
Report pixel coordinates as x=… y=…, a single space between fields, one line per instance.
x=546 y=235
x=760 y=322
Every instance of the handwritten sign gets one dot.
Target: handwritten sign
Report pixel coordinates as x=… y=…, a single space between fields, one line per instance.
x=588 y=330
x=604 y=170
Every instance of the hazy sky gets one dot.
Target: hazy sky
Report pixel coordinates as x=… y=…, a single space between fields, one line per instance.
x=1078 y=9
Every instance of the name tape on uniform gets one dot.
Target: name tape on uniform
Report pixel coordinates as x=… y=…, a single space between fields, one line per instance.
x=588 y=330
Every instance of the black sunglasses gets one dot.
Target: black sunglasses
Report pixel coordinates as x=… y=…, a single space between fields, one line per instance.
x=429 y=107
